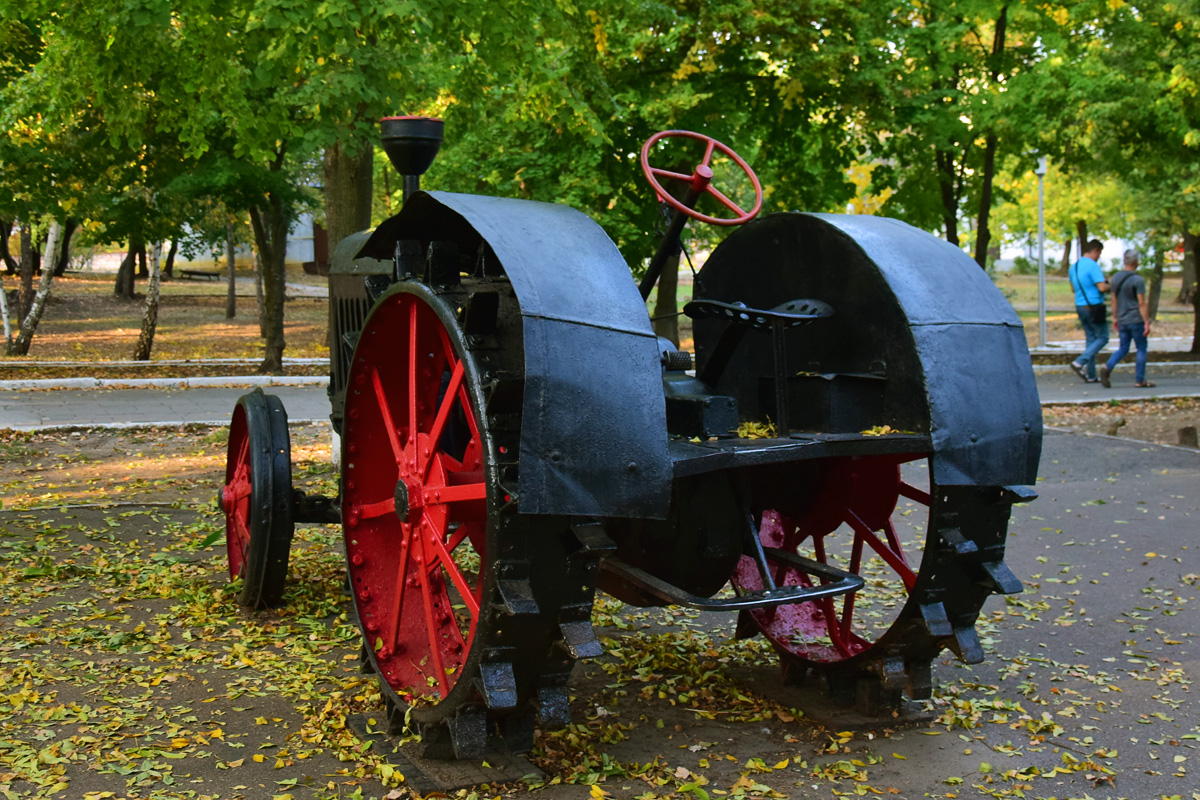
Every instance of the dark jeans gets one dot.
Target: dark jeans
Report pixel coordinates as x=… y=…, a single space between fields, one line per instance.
x=1137 y=333
x=1097 y=337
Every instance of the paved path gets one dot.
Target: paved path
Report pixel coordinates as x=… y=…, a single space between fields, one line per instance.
x=67 y=407
x=36 y=410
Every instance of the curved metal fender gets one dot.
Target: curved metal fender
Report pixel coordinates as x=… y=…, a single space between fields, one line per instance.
x=908 y=305
x=985 y=415
x=593 y=431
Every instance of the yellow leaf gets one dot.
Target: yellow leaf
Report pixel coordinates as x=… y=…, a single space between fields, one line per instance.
x=259 y=758
x=597 y=792
x=782 y=764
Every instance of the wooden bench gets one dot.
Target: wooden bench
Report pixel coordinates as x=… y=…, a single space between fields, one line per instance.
x=199 y=275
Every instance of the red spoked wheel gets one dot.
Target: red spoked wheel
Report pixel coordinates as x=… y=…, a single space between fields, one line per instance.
x=257 y=499
x=415 y=500
x=930 y=557
x=850 y=525
x=699 y=179
x=472 y=614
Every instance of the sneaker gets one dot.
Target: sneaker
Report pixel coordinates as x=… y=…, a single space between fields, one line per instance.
x=1091 y=380
x=1079 y=370
x=1104 y=371
x=1145 y=385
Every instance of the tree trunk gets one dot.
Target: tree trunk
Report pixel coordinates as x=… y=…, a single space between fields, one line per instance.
x=143 y=270
x=983 y=234
x=150 y=315
x=230 y=260
x=169 y=267
x=270 y=232
x=945 y=170
x=1187 y=289
x=666 y=306
x=1064 y=266
x=1082 y=233
x=1195 y=251
x=347 y=190
x=4 y=312
x=64 y=258
x=25 y=299
x=258 y=292
x=10 y=264
x=1156 y=282
x=29 y=322
x=124 y=283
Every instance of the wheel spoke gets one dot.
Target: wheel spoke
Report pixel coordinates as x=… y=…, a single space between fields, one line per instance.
x=913 y=493
x=708 y=151
x=401 y=581
x=389 y=424
x=413 y=371
x=373 y=510
x=666 y=173
x=460 y=580
x=893 y=560
x=435 y=651
x=456 y=494
x=443 y=414
x=856 y=553
x=723 y=200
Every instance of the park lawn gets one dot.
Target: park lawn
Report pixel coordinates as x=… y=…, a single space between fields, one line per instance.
x=83 y=321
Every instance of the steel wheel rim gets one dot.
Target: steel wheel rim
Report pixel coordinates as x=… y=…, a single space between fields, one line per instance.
x=236 y=494
x=855 y=511
x=415 y=508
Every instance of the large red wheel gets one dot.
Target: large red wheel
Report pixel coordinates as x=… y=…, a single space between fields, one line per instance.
x=930 y=557
x=415 y=508
x=460 y=600
x=257 y=499
x=850 y=526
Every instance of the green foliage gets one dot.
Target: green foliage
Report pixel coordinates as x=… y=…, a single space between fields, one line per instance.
x=1023 y=266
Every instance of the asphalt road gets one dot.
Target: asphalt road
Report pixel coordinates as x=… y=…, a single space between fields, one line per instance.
x=114 y=406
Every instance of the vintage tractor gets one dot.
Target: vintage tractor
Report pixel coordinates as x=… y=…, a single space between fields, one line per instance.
x=513 y=435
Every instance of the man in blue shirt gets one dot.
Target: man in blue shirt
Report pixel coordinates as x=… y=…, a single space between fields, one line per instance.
x=1089 y=284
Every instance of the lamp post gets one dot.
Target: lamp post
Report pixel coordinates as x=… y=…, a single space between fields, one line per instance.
x=1041 y=173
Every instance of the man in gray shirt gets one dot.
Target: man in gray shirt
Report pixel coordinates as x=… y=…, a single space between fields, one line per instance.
x=1131 y=318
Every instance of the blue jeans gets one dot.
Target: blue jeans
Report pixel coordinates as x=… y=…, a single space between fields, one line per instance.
x=1097 y=337
x=1136 y=332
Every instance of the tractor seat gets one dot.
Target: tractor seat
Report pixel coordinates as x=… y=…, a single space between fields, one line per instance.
x=791 y=314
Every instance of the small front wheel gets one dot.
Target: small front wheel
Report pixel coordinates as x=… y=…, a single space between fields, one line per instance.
x=257 y=499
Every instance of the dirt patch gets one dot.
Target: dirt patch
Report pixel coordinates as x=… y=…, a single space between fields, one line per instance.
x=1156 y=421
x=130 y=672
x=85 y=322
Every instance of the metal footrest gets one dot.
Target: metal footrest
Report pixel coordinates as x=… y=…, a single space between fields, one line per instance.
x=841 y=583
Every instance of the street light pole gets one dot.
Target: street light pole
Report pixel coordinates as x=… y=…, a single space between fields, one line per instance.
x=1041 y=173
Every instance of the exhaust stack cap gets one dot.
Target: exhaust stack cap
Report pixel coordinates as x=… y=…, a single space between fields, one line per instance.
x=411 y=143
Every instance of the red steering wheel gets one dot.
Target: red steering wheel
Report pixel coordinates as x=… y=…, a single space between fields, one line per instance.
x=700 y=179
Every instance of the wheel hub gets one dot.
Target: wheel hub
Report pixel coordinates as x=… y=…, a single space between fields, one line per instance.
x=410 y=499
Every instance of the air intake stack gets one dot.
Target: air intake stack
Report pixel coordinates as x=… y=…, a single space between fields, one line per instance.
x=411 y=144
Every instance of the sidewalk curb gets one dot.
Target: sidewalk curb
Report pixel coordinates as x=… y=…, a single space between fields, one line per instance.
x=125 y=426
x=164 y=383
x=1065 y=367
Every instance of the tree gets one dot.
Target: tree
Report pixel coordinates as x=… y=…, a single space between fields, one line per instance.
x=1139 y=111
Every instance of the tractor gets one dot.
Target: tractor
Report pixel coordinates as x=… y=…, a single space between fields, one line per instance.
x=513 y=436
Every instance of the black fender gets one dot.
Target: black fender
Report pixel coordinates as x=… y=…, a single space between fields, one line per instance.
x=910 y=308
x=593 y=427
